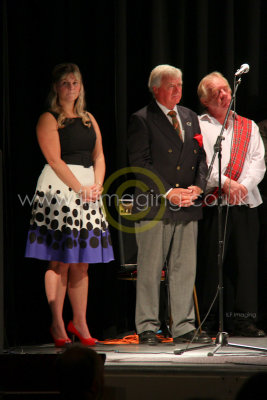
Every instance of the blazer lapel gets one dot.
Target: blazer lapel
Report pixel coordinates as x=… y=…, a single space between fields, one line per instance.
x=188 y=133
x=164 y=125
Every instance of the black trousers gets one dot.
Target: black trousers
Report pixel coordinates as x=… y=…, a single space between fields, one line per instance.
x=240 y=263
x=262 y=279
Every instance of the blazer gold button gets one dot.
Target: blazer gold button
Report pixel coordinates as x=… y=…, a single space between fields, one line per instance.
x=193 y=168
x=170 y=150
x=177 y=185
x=195 y=151
x=178 y=167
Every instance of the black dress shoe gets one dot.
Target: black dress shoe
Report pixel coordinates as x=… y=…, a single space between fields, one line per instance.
x=248 y=330
x=148 y=337
x=191 y=337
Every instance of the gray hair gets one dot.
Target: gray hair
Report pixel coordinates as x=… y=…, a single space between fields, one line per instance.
x=159 y=72
x=205 y=85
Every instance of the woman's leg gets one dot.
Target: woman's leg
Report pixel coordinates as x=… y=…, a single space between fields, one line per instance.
x=56 y=279
x=78 y=293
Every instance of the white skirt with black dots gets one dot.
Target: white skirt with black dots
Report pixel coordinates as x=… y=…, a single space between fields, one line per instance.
x=63 y=227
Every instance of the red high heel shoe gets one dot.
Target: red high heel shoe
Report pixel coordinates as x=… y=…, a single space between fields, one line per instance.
x=60 y=342
x=88 y=342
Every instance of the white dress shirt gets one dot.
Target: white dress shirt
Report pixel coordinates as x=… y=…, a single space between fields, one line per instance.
x=254 y=165
x=166 y=110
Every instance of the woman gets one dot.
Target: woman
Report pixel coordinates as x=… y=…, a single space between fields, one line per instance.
x=68 y=227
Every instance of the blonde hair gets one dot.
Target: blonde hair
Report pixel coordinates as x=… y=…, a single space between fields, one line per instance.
x=159 y=72
x=59 y=72
x=205 y=86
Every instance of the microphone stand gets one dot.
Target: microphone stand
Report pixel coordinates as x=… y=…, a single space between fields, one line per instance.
x=221 y=337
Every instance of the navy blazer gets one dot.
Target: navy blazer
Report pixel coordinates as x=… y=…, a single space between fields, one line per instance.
x=167 y=162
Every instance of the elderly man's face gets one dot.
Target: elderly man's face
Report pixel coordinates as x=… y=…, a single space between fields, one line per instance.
x=170 y=91
x=219 y=94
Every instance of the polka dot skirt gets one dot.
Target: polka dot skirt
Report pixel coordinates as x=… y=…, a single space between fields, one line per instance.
x=63 y=227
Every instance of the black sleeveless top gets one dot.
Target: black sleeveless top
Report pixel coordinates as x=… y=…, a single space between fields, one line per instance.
x=77 y=141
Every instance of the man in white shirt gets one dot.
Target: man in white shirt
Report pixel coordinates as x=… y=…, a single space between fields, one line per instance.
x=243 y=167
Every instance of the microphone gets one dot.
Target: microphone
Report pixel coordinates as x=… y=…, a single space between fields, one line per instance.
x=242 y=70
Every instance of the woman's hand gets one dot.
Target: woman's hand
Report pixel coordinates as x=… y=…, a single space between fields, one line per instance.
x=91 y=193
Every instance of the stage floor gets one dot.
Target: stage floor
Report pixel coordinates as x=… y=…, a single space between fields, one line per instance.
x=238 y=351
x=134 y=371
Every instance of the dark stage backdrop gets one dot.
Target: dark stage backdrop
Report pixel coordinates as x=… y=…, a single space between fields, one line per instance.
x=116 y=43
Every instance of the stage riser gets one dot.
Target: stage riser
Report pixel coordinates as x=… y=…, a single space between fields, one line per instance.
x=31 y=375
x=152 y=386
x=171 y=387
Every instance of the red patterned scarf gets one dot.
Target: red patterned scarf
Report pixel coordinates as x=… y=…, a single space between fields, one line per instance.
x=242 y=135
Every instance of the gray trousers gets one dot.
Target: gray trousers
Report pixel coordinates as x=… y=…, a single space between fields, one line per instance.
x=178 y=241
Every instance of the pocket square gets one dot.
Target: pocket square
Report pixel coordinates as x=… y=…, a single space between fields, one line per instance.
x=199 y=139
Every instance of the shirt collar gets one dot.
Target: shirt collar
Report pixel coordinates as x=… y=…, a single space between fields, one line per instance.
x=165 y=109
x=207 y=117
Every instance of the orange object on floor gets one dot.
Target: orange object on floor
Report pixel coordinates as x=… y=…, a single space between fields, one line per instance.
x=132 y=339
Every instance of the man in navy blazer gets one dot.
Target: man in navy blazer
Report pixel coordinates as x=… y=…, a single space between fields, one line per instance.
x=170 y=165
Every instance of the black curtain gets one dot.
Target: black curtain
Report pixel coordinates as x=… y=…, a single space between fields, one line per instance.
x=116 y=43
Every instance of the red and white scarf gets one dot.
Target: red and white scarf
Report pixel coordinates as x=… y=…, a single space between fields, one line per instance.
x=242 y=135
